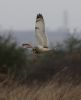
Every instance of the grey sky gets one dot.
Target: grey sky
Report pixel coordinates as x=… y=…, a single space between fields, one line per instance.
x=20 y=14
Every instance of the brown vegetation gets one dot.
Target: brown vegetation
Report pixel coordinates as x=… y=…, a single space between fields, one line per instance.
x=48 y=91
x=55 y=75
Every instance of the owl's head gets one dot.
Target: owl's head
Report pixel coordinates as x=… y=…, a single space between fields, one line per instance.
x=36 y=50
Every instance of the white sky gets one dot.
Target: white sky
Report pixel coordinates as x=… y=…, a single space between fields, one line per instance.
x=21 y=14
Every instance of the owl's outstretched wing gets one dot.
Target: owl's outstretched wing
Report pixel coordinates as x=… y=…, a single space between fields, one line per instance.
x=40 y=31
x=26 y=45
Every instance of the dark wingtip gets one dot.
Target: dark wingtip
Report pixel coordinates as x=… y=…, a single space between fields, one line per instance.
x=39 y=16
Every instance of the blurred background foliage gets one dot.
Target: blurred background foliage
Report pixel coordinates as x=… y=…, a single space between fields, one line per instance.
x=17 y=63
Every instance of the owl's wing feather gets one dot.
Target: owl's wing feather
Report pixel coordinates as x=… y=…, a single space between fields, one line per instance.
x=26 y=45
x=40 y=31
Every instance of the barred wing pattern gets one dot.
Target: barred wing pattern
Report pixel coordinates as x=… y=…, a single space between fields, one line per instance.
x=40 y=31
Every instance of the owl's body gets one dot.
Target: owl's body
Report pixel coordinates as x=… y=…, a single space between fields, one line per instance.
x=42 y=42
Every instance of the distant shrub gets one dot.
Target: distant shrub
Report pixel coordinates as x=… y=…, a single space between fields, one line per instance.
x=13 y=59
x=70 y=44
x=62 y=64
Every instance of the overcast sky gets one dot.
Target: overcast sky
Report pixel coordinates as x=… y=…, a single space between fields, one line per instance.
x=21 y=14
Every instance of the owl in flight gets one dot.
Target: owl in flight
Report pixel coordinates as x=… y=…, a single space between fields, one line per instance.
x=41 y=38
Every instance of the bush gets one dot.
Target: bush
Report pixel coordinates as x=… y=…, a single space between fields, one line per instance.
x=13 y=59
x=62 y=64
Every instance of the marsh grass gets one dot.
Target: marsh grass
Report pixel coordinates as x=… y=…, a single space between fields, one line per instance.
x=55 y=75
x=47 y=91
